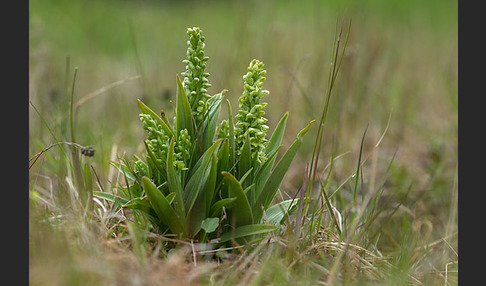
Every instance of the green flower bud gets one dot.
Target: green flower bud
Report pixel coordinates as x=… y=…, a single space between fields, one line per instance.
x=223 y=129
x=250 y=118
x=156 y=140
x=195 y=78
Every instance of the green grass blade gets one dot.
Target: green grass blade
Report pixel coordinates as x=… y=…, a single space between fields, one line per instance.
x=247 y=230
x=110 y=197
x=164 y=210
x=88 y=186
x=358 y=168
x=123 y=169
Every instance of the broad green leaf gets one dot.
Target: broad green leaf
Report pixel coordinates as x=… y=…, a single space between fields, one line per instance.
x=264 y=171
x=245 y=159
x=184 y=119
x=164 y=210
x=277 y=212
x=247 y=230
x=271 y=186
x=277 y=135
x=174 y=183
x=217 y=207
x=271 y=151
x=200 y=209
x=210 y=186
x=146 y=110
x=210 y=224
x=241 y=211
x=211 y=119
x=223 y=161
x=198 y=179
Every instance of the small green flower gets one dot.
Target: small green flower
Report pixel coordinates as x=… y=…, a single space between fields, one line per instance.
x=195 y=78
x=182 y=148
x=250 y=118
x=223 y=129
x=157 y=140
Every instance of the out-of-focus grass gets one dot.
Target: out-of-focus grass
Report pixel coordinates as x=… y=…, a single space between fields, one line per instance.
x=400 y=63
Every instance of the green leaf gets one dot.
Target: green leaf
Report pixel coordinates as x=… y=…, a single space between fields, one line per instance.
x=271 y=186
x=184 y=119
x=223 y=158
x=198 y=178
x=210 y=224
x=88 y=186
x=170 y=197
x=174 y=183
x=271 y=150
x=231 y=136
x=243 y=178
x=217 y=207
x=152 y=157
x=200 y=209
x=141 y=203
x=241 y=211
x=277 y=212
x=245 y=159
x=263 y=172
x=110 y=197
x=277 y=135
x=164 y=118
x=162 y=207
x=123 y=169
x=146 y=110
x=247 y=230
x=211 y=119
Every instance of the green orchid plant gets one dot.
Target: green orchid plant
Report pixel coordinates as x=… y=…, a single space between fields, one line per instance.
x=208 y=181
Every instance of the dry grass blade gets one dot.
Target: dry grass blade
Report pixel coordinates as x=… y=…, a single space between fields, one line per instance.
x=103 y=90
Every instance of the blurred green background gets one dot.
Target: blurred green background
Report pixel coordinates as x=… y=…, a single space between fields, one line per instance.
x=400 y=63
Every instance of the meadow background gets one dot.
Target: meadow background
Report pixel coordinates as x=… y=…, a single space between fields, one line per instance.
x=399 y=75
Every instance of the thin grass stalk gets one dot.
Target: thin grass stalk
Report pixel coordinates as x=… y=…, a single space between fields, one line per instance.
x=358 y=168
x=318 y=221
x=75 y=155
x=335 y=65
x=332 y=76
